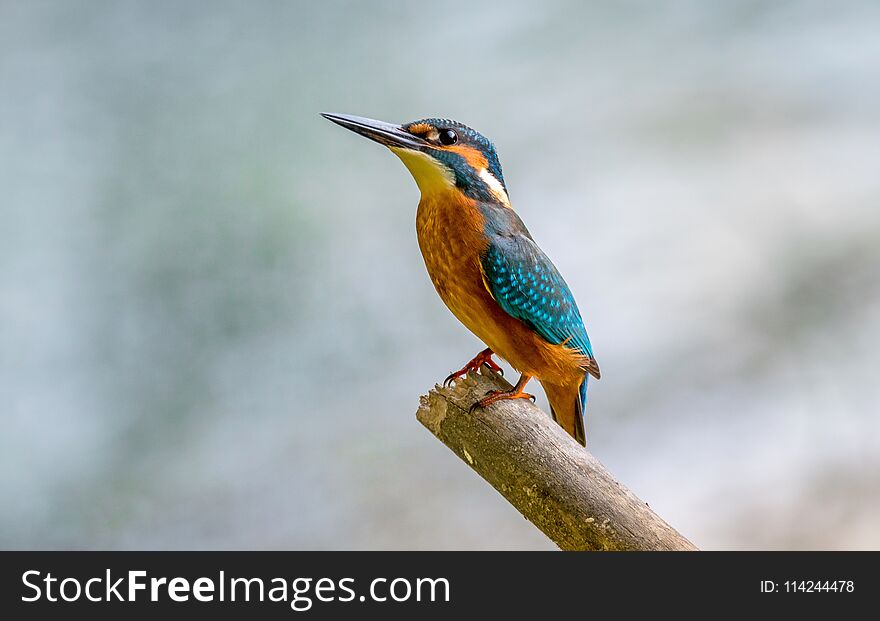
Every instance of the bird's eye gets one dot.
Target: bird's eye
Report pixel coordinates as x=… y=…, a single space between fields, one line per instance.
x=448 y=137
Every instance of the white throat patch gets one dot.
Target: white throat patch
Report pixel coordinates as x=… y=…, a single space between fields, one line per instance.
x=495 y=186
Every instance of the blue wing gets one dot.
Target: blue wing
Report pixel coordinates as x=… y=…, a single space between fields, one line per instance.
x=527 y=285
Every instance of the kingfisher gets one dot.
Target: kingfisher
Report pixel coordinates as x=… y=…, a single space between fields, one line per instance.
x=486 y=266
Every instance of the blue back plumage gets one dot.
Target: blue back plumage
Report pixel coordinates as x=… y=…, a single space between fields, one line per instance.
x=583 y=390
x=528 y=286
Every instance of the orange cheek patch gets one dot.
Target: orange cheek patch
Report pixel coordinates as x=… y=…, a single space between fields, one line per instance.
x=473 y=156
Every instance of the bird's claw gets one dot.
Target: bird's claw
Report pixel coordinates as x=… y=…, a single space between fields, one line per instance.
x=500 y=395
x=455 y=375
x=483 y=358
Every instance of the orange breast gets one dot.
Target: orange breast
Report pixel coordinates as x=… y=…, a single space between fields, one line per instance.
x=451 y=238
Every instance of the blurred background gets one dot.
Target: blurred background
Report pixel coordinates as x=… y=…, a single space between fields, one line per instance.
x=215 y=322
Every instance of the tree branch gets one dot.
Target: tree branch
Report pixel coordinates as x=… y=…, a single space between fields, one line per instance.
x=556 y=484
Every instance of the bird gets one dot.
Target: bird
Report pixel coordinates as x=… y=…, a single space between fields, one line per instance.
x=487 y=267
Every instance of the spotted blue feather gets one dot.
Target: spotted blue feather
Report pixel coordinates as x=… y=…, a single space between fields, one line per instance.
x=527 y=285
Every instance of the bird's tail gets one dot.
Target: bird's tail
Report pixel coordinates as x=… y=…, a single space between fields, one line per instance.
x=567 y=403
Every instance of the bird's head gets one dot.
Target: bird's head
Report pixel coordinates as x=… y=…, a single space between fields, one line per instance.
x=442 y=155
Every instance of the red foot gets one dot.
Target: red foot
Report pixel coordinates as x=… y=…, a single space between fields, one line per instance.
x=504 y=395
x=501 y=395
x=484 y=357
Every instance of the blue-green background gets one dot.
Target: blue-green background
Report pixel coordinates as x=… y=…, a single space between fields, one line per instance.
x=215 y=323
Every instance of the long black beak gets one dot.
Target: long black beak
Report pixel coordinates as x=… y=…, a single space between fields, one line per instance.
x=384 y=133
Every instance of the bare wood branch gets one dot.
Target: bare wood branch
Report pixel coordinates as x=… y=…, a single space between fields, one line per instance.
x=556 y=484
